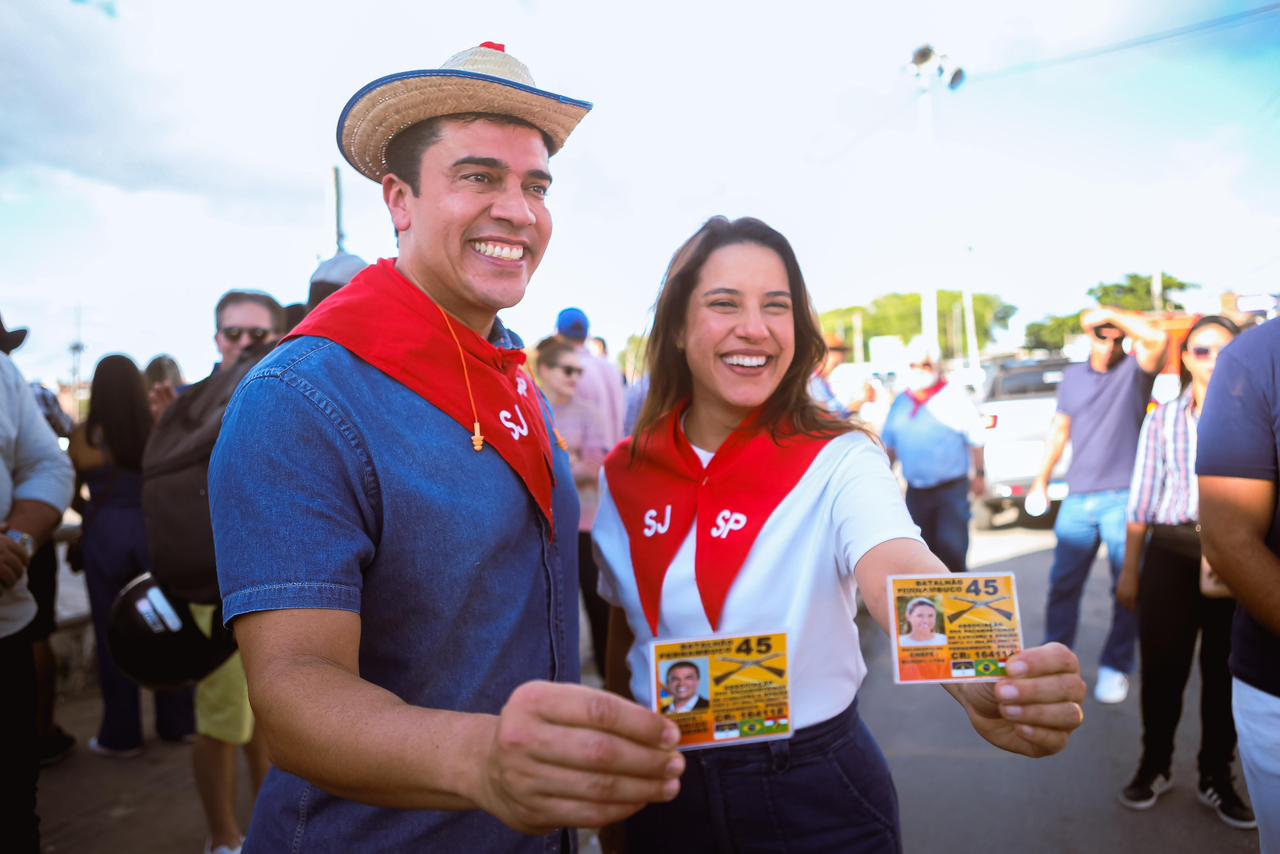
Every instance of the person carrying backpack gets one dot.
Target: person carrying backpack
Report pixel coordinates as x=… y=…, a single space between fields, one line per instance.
x=176 y=505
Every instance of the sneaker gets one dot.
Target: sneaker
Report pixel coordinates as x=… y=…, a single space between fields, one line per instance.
x=1144 y=788
x=113 y=753
x=1112 y=686
x=54 y=747
x=221 y=849
x=1220 y=795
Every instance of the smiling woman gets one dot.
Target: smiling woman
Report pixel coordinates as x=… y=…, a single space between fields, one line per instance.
x=735 y=320
x=729 y=431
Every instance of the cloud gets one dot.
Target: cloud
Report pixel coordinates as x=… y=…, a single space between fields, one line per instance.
x=87 y=96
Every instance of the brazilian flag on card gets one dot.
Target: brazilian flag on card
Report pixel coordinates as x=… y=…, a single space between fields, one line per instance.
x=989 y=667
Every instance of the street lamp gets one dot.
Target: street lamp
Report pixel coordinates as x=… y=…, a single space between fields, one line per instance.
x=928 y=65
x=930 y=69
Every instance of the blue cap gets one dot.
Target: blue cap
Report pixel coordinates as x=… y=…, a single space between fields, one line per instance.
x=572 y=323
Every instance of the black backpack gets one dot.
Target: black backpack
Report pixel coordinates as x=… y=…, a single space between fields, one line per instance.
x=175 y=483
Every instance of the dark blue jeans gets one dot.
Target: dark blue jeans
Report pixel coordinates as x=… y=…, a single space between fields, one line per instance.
x=826 y=789
x=1084 y=522
x=942 y=512
x=115 y=554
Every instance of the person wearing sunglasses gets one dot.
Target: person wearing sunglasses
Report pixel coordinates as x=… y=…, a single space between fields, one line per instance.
x=582 y=428
x=245 y=318
x=1166 y=593
x=1101 y=404
x=242 y=319
x=248 y=323
x=602 y=385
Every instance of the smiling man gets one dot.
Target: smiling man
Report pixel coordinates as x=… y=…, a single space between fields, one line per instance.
x=683 y=679
x=401 y=572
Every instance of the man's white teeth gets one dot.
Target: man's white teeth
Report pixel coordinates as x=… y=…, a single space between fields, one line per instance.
x=746 y=361
x=503 y=251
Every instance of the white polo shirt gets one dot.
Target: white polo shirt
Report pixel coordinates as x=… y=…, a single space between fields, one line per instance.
x=798 y=576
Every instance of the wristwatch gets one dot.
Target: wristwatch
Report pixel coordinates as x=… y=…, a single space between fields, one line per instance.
x=23 y=539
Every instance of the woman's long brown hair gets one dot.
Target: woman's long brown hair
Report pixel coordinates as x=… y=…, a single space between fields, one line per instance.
x=790 y=410
x=118 y=410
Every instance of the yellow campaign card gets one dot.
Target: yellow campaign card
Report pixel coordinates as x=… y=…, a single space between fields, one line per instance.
x=723 y=690
x=953 y=628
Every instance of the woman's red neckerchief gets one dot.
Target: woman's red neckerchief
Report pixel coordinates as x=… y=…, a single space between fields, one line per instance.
x=385 y=320
x=664 y=490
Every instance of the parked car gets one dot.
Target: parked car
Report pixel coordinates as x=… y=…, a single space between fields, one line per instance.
x=1018 y=404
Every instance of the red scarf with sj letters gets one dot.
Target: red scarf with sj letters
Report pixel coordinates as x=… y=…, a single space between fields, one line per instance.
x=664 y=490
x=385 y=320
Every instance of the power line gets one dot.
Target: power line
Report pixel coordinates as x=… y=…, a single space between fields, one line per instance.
x=1238 y=19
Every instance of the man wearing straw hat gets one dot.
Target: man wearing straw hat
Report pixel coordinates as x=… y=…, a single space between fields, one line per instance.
x=395 y=524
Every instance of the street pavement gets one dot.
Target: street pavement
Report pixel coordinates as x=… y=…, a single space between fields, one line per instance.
x=958 y=794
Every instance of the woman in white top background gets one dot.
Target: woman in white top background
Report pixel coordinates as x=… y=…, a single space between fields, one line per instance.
x=739 y=507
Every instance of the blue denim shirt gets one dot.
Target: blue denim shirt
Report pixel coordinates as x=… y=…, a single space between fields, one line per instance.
x=334 y=486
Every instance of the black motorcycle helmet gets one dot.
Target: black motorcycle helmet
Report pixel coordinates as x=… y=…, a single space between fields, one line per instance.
x=155 y=641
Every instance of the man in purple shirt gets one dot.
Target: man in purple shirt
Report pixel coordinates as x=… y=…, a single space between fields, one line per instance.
x=1101 y=404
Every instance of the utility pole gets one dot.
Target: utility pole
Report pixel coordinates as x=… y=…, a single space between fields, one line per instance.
x=1157 y=290
x=929 y=68
x=970 y=322
x=337 y=205
x=929 y=290
x=77 y=350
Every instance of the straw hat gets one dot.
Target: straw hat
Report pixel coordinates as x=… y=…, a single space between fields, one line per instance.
x=484 y=79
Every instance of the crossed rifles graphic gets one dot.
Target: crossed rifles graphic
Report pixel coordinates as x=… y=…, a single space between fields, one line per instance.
x=976 y=604
x=746 y=663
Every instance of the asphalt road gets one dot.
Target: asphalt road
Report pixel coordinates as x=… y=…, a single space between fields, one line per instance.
x=958 y=794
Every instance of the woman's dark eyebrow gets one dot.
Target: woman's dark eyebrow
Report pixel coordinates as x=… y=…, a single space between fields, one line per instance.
x=737 y=293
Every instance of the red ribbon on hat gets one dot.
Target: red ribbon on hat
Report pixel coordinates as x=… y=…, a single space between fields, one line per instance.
x=495 y=46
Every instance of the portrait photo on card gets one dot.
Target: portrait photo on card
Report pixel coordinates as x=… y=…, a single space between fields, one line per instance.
x=920 y=621
x=685 y=686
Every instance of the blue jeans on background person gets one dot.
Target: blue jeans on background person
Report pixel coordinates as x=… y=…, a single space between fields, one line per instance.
x=114 y=554
x=942 y=512
x=1257 y=717
x=1084 y=522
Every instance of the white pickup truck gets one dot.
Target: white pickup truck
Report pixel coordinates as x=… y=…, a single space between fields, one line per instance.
x=1018 y=404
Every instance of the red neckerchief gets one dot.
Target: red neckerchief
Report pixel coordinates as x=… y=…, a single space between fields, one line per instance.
x=665 y=489
x=385 y=320
x=923 y=397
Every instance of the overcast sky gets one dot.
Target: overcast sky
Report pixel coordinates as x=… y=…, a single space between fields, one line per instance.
x=153 y=154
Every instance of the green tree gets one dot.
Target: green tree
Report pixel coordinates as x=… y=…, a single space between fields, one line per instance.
x=1051 y=333
x=631 y=359
x=1134 y=293
x=899 y=314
